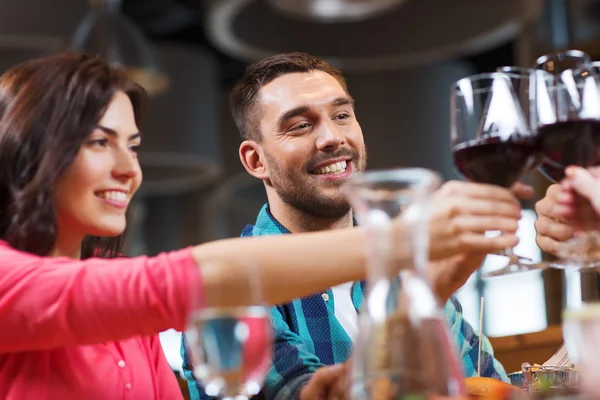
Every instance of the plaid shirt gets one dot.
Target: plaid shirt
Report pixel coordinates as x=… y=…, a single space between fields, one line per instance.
x=308 y=335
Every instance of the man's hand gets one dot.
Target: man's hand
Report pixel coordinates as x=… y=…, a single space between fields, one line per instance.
x=449 y=274
x=461 y=213
x=328 y=383
x=551 y=227
x=522 y=191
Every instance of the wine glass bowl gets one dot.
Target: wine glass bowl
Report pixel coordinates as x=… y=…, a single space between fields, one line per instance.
x=572 y=70
x=568 y=127
x=490 y=137
x=528 y=84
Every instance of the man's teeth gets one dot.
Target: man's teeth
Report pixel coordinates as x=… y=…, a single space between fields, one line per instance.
x=332 y=169
x=113 y=195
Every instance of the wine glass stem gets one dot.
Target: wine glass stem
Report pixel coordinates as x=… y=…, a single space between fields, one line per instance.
x=512 y=257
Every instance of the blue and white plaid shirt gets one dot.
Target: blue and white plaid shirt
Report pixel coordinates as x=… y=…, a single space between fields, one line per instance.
x=308 y=335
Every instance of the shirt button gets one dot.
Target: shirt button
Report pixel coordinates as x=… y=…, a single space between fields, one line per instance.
x=121 y=364
x=128 y=386
x=325 y=296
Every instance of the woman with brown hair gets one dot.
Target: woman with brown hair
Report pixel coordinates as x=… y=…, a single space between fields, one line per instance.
x=78 y=322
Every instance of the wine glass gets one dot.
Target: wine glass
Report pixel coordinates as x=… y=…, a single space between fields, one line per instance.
x=527 y=83
x=491 y=140
x=581 y=330
x=231 y=345
x=569 y=134
x=557 y=63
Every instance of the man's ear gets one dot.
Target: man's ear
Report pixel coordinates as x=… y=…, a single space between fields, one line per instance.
x=252 y=159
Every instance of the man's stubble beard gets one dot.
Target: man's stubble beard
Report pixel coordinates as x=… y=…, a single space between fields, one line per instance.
x=304 y=196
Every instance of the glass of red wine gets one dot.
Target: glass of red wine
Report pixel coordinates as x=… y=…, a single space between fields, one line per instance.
x=569 y=134
x=491 y=140
x=527 y=83
x=556 y=64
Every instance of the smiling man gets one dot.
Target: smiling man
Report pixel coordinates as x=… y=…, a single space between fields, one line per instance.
x=302 y=172
x=301 y=137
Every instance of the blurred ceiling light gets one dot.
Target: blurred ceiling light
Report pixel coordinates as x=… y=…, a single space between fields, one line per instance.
x=391 y=38
x=107 y=33
x=334 y=10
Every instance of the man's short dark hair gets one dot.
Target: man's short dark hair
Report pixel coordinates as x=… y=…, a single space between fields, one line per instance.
x=244 y=97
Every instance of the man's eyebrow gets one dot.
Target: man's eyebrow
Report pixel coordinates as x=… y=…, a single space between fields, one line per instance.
x=342 y=101
x=294 y=112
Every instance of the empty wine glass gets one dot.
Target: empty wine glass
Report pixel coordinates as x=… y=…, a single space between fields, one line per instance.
x=230 y=345
x=404 y=349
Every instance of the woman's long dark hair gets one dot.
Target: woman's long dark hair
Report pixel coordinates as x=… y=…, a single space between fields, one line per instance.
x=48 y=108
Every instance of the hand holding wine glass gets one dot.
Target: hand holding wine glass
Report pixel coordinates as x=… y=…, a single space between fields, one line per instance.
x=569 y=134
x=475 y=208
x=461 y=212
x=491 y=138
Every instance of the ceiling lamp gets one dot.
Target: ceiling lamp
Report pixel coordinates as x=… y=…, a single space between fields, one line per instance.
x=416 y=33
x=334 y=10
x=108 y=33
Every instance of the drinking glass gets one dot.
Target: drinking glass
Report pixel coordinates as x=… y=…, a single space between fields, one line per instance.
x=492 y=141
x=569 y=134
x=556 y=64
x=581 y=330
x=231 y=346
x=404 y=347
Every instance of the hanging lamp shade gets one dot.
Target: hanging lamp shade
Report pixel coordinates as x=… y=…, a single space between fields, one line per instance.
x=106 y=32
x=410 y=34
x=334 y=10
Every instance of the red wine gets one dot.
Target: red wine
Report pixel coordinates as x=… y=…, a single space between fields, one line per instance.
x=575 y=142
x=490 y=160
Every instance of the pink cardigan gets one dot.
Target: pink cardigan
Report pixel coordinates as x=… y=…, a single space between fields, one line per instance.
x=73 y=329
